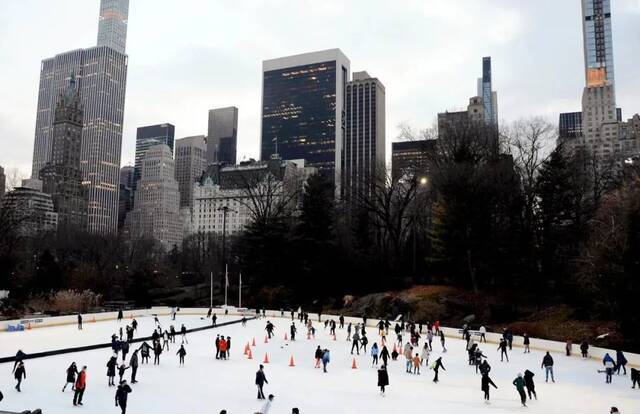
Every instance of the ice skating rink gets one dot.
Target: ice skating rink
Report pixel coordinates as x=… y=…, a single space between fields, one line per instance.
x=207 y=385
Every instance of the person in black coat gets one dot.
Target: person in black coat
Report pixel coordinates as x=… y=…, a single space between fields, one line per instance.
x=526 y=343
x=261 y=379
x=384 y=355
x=528 y=383
x=181 y=353
x=621 y=362
x=18 y=359
x=635 y=378
x=79 y=322
x=502 y=347
x=111 y=370
x=72 y=371
x=133 y=364
x=145 y=352
x=20 y=373
x=485 y=382
x=436 y=367
x=122 y=395
x=383 y=378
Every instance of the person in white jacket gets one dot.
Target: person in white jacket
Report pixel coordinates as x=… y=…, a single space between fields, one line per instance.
x=483 y=334
x=266 y=408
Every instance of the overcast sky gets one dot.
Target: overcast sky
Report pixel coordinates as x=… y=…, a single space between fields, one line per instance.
x=187 y=56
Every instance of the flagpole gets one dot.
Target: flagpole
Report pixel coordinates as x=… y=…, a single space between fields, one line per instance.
x=226 y=283
x=211 y=291
x=240 y=292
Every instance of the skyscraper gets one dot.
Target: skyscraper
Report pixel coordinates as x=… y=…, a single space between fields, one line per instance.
x=598 y=42
x=112 y=29
x=190 y=164
x=363 y=151
x=31 y=208
x=410 y=159
x=222 y=137
x=487 y=94
x=126 y=194
x=147 y=137
x=303 y=109
x=61 y=176
x=3 y=182
x=101 y=74
x=157 y=200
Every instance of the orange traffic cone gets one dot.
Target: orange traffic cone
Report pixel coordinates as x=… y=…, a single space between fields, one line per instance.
x=249 y=355
x=254 y=342
x=266 y=359
x=291 y=364
x=285 y=337
x=354 y=365
x=247 y=349
x=266 y=339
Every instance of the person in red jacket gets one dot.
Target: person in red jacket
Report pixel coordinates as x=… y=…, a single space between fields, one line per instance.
x=223 y=348
x=81 y=384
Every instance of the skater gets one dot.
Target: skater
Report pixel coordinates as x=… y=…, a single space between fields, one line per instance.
x=120 y=316
x=19 y=374
x=72 y=371
x=621 y=362
x=356 y=342
x=81 y=384
x=614 y=410
x=121 y=370
x=425 y=355
x=165 y=340
x=485 y=368
x=214 y=320
x=436 y=367
x=349 y=331
x=181 y=353
x=483 y=334
x=430 y=339
x=227 y=351
x=375 y=351
x=261 y=379
x=341 y=319
x=528 y=383
x=173 y=313
x=79 y=321
x=519 y=383
x=364 y=342
x=326 y=358
x=584 y=349
x=217 y=346
x=172 y=334
x=485 y=382
x=568 y=347
x=124 y=347
x=383 y=378
x=157 y=350
x=266 y=408
x=384 y=355
x=244 y=321
x=635 y=378
x=408 y=350
x=223 y=348
x=269 y=328
x=183 y=332
x=133 y=364
x=122 y=395
x=609 y=365
x=394 y=354
x=145 y=349
x=442 y=341
x=209 y=313
x=547 y=364
x=111 y=370
x=526 y=344
x=18 y=359
x=502 y=347
x=293 y=331
x=134 y=325
x=318 y=356
x=416 y=364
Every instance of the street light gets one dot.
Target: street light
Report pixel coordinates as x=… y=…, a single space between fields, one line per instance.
x=225 y=210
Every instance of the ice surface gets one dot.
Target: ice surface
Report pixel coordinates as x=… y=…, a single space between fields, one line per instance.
x=207 y=385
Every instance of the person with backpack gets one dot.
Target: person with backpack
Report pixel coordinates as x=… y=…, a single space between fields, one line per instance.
x=484 y=386
x=122 y=395
x=72 y=371
x=529 y=384
x=609 y=366
x=519 y=384
x=547 y=364
x=145 y=352
x=383 y=378
x=81 y=384
x=436 y=367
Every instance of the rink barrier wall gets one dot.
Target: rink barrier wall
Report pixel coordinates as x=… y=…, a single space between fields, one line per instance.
x=554 y=347
x=108 y=344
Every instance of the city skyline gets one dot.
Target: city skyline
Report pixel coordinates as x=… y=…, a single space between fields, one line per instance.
x=532 y=74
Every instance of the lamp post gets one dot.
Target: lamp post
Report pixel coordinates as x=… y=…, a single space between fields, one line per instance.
x=225 y=210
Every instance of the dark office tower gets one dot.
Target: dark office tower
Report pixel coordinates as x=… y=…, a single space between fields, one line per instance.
x=303 y=114
x=410 y=159
x=112 y=29
x=363 y=151
x=485 y=91
x=61 y=176
x=126 y=194
x=101 y=75
x=190 y=163
x=222 y=139
x=570 y=126
x=598 y=42
x=147 y=137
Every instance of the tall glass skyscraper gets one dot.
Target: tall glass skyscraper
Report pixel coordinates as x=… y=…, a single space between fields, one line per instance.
x=222 y=137
x=485 y=91
x=303 y=109
x=147 y=137
x=101 y=75
x=598 y=42
x=112 y=29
